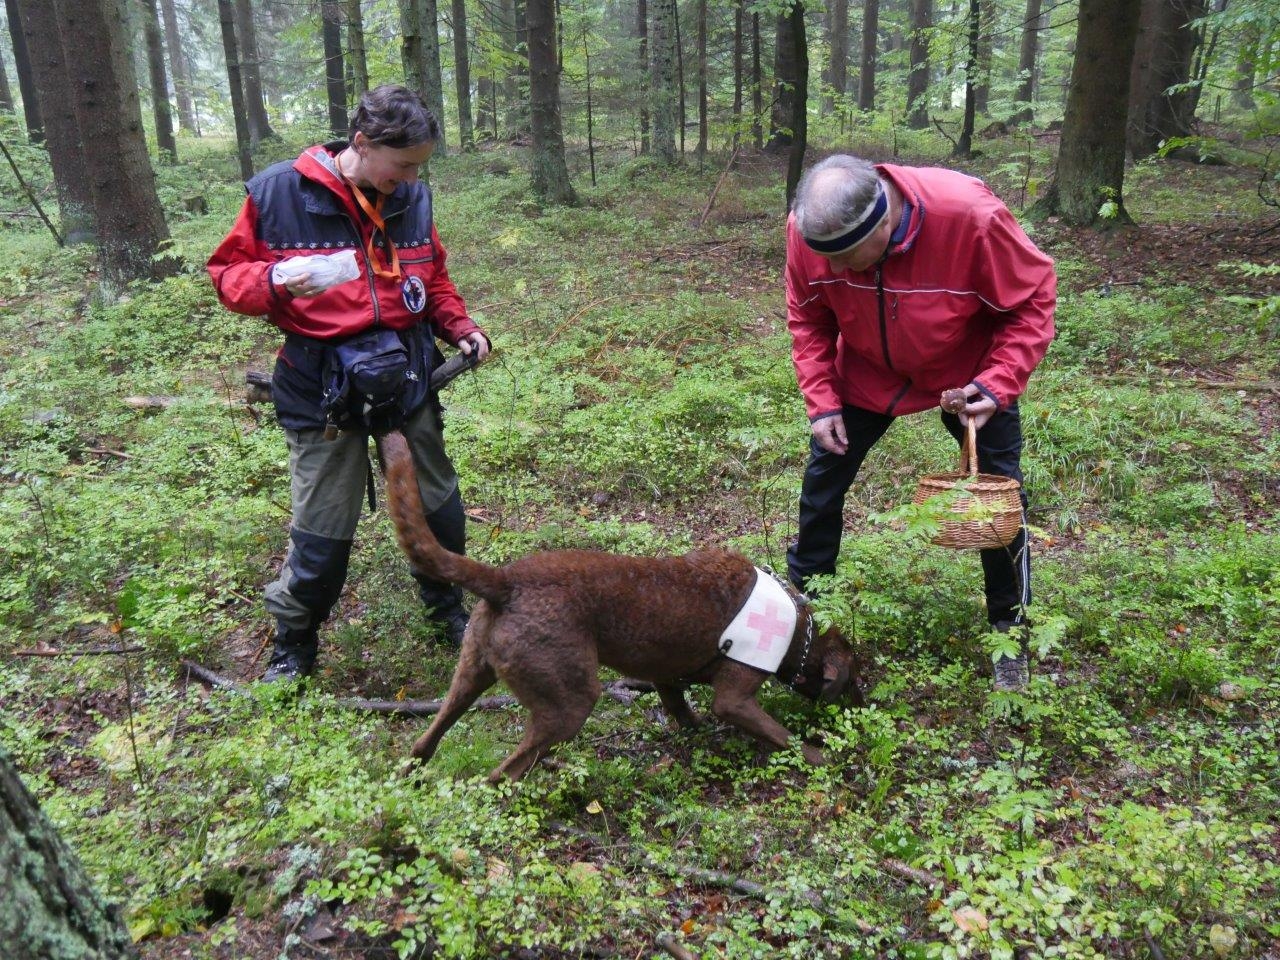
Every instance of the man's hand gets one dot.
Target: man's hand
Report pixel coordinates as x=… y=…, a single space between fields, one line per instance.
x=977 y=405
x=829 y=432
x=475 y=342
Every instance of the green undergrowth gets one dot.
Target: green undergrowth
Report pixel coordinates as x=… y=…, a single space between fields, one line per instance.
x=641 y=400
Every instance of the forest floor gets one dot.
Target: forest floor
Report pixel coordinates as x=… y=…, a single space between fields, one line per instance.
x=642 y=401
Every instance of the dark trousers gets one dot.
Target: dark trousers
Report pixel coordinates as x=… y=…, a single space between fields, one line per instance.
x=828 y=476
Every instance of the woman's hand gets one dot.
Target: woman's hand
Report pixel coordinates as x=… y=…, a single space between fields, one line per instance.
x=475 y=342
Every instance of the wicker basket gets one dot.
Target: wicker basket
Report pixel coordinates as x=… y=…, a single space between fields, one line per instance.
x=997 y=500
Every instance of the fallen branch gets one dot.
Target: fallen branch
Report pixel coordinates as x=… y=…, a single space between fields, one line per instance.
x=706 y=212
x=668 y=944
x=914 y=874
x=1250 y=386
x=624 y=691
x=80 y=652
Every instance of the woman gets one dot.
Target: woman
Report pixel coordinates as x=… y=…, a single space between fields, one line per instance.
x=360 y=200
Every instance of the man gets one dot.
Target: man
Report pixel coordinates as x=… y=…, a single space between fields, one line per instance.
x=901 y=283
x=362 y=204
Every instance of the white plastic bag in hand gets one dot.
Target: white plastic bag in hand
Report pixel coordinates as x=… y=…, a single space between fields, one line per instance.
x=326 y=269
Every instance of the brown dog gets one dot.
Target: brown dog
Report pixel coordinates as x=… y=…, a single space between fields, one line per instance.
x=547 y=622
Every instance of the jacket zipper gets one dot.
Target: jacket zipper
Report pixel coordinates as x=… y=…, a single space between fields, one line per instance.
x=884 y=335
x=368 y=269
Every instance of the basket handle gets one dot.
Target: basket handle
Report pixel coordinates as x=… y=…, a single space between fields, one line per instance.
x=969 y=449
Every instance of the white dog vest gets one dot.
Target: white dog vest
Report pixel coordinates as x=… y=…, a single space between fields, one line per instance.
x=761 y=632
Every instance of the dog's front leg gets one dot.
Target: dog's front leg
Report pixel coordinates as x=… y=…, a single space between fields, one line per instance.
x=735 y=702
x=677 y=707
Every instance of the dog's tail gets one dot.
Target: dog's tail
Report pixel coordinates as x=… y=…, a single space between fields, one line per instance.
x=425 y=553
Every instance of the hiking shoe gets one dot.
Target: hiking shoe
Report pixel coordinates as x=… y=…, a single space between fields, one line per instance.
x=1012 y=674
x=293 y=658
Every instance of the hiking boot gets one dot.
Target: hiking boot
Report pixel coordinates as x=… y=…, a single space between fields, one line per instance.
x=1012 y=674
x=293 y=657
x=454 y=623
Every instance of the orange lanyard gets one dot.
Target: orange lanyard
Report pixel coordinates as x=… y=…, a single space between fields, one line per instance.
x=374 y=213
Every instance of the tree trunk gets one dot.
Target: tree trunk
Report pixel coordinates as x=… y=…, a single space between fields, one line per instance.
x=230 y=48
x=738 y=24
x=702 y=80
x=27 y=84
x=867 y=77
x=515 y=88
x=838 y=66
x=918 y=80
x=1162 y=58
x=662 y=81
x=550 y=174
x=104 y=95
x=757 y=86
x=432 y=76
x=52 y=100
x=642 y=35
x=178 y=65
x=251 y=73
x=1246 y=66
x=1090 y=168
x=355 y=44
x=964 y=146
x=679 y=48
x=6 y=96
x=168 y=148
x=784 y=84
x=411 y=43
x=1027 y=63
x=462 y=74
x=800 y=101
x=50 y=910
x=982 y=75
x=334 y=78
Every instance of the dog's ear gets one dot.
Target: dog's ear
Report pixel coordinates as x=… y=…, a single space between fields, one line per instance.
x=835 y=677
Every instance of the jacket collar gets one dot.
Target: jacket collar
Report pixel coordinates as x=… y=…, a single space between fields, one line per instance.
x=317 y=167
x=910 y=195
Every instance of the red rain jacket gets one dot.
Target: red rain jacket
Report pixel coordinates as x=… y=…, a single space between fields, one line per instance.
x=965 y=296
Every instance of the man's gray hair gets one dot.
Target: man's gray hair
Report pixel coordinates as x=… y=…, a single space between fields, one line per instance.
x=833 y=193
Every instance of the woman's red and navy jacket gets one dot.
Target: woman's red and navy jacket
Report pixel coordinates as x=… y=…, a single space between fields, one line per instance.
x=303 y=207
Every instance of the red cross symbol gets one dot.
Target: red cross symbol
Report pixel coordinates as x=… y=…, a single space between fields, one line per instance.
x=768 y=625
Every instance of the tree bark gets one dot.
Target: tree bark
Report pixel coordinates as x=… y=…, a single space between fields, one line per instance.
x=1162 y=57
x=1090 y=168
x=52 y=95
x=702 y=80
x=335 y=81
x=642 y=36
x=411 y=43
x=757 y=86
x=800 y=101
x=982 y=75
x=738 y=18
x=168 y=147
x=355 y=43
x=178 y=66
x=784 y=84
x=104 y=96
x=918 y=80
x=964 y=146
x=251 y=73
x=870 y=41
x=1246 y=66
x=432 y=76
x=27 y=84
x=462 y=74
x=662 y=81
x=550 y=173
x=50 y=910
x=231 y=50
x=1027 y=62
x=518 y=94
x=6 y=96
x=838 y=65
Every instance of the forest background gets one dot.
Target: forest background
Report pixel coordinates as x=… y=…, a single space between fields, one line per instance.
x=612 y=192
